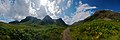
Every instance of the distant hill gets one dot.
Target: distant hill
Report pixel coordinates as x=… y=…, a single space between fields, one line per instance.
x=14 y=22
x=102 y=14
x=102 y=25
x=60 y=22
x=30 y=19
x=47 y=20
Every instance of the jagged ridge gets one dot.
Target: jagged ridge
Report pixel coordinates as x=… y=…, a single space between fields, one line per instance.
x=47 y=20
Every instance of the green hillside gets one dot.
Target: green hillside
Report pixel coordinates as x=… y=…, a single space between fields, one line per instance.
x=102 y=25
x=30 y=32
x=96 y=30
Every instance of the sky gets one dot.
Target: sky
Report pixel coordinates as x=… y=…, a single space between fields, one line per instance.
x=69 y=10
x=104 y=4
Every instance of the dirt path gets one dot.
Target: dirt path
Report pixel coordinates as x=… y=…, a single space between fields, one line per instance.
x=67 y=34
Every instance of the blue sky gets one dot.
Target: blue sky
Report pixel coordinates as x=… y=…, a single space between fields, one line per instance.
x=104 y=4
x=69 y=10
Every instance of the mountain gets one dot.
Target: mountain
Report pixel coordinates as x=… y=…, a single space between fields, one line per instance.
x=14 y=22
x=103 y=15
x=30 y=19
x=102 y=25
x=47 y=20
x=60 y=22
x=30 y=32
x=27 y=20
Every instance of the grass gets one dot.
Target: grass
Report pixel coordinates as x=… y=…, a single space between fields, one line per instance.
x=92 y=30
x=29 y=32
x=96 y=30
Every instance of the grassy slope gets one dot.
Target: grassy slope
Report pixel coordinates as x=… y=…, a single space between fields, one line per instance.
x=92 y=30
x=97 y=30
x=97 y=27
x=29 y=32
x=103 y=25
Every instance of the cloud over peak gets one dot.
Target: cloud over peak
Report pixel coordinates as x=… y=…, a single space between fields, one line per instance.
x=19 y=9
x=82 y=12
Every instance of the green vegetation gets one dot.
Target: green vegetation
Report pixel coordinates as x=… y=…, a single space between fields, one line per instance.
x=103 y=25
x=96 y=30
x=30 y=32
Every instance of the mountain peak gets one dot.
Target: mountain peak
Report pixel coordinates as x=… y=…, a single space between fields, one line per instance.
x=104 y=14
x=47 y=17
x=30 y=19
x=14 y=22
x=60 y=22
x=48 y=20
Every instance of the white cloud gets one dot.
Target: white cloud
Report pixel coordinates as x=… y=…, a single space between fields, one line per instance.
x=19 y=9
x=69 y=2
x=53 y=8
x=43 y=2
x=67 y=20
x=3 y=19
x=4 y=6
x=82 y=12
x=41 y=12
